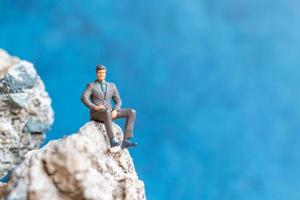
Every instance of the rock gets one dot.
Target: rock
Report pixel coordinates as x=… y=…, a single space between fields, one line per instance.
x=80 y=167
x=36 y=127
x=18 y=78
x=25 y=109
x=3 y=189
x=15 y=102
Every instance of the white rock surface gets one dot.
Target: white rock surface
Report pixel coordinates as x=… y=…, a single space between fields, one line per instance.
x=25 y=110
x=80 y=167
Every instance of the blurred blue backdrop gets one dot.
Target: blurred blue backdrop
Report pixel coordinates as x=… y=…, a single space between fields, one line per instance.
x=214 y=84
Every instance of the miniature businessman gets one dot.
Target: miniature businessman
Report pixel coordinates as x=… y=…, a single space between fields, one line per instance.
x=97 y=97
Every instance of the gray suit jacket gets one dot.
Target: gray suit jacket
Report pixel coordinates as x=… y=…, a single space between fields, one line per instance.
x=93 y=96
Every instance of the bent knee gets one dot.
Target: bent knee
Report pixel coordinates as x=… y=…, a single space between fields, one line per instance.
x=132 y=111
x=102 y=112
x=106 y=112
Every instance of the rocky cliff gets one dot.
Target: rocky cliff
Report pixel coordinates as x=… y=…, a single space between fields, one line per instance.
x=80 y=166
x=25 y=110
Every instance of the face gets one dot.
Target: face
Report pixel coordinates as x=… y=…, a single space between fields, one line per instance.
x=101 y=74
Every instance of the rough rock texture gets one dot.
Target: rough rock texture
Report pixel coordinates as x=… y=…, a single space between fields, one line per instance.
x=80 y=166
x=25 y=111
x=3 y=189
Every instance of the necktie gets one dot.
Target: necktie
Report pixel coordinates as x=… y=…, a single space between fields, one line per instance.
x=102 y=86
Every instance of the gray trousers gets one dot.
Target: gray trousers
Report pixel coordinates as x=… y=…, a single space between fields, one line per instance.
x=105 y=117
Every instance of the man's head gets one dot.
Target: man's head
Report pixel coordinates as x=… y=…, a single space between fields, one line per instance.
x=101 y=72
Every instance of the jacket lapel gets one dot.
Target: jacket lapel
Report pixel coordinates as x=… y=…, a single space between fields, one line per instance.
x=98 y=88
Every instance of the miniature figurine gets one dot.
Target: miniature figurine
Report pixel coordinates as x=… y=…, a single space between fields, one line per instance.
x=97 y=97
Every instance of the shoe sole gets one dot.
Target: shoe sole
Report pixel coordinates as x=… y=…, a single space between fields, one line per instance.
x=122 y=147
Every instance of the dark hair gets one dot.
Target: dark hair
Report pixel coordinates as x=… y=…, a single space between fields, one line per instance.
x=100 y=67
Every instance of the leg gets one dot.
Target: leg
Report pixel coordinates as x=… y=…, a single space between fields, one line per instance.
x=105 y=117
x=130 y=114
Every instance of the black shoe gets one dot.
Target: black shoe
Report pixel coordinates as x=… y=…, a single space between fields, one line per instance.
x=126 y=143
x=114 y=142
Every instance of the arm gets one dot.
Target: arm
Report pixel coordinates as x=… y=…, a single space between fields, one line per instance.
x=117 y=99
x=85 y=97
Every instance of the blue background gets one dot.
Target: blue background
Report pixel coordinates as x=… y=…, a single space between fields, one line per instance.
x=214 y=84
